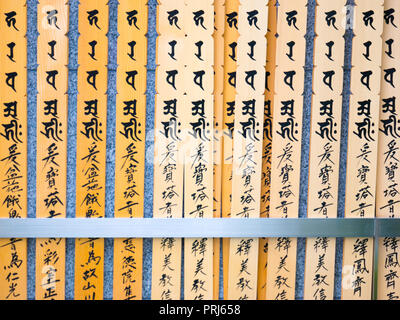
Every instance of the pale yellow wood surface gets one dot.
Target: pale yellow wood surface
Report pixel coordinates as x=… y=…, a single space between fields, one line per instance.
x=231 y=35
x=13 y=140
x=247 y=148
x=362 y=145
x=51 y=164
x=130 y=143
x=168 y=158
x=324 y=153
x=267 y=147
x=387 y=197
x=91 y=144
x=198 y=144
x=286 y=145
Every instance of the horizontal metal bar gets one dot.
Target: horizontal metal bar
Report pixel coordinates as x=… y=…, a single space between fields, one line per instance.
x=195 y=228
x=387 y=227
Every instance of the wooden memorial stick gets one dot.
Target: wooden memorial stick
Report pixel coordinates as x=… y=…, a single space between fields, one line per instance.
x=198 y=144
x=324 y=156
x=248 y=142
x=231 y=35
x=362 y=145
x=91 y=143
x=219 y=21
x=267 y=146
x=13 y=140
x=51 y=164
x=168 y=158
x=130 y=143
x=286 y=145
x=387 y=195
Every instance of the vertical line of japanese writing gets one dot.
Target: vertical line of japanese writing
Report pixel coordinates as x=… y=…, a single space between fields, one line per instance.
x=387 y=193
x=219 y=24
x=286 y=144
x=248 y=143
x=91 y=143
x=52 y=80
x=362 y=145
x=231 y=35
x=324 y=153
x=198 y=144
x=168 y=162
x=130 y=143
x=267 y=146
x=13 y=140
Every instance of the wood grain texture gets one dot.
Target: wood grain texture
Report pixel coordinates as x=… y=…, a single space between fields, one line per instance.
x=231 y=35
x=91 y=144
x=247 y=148
x=13 y=139
x=387 y=197
x=362 y=145
x=168 y=157
x=267 y=146
x=286 y=145
x=198 y=145
x=130 y=143
x=323 y=178
x=52 y=111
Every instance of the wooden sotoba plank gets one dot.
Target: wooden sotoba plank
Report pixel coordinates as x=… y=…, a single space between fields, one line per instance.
x=91 y=143
x=387 y=196
x=267 y=146
x=198 y=144
x=248 y=143
x=51 y=164
x=326 y=115
x=231 y=35
x=130 y=143
x=362 y=145
x=286 y=144
x=168 y=159
x=13 y=139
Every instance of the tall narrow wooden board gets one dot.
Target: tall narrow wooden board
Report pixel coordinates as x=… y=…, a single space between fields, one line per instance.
x=248 y=143
x=198 y=144
x=13 y=140
x=130 y=143
x=286 y=144
x=91 y=144
x=51 y=164
x=231 y=35
x=387 y=195
x=362 y=145
x=267 y=146
x=323 y=177
x=168 y=155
